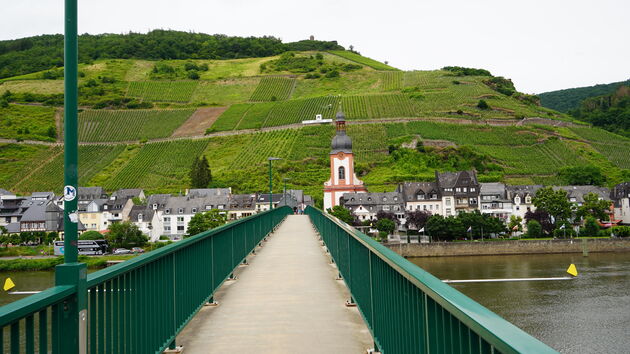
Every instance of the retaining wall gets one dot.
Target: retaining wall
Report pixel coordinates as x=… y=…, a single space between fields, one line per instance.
x=488 y=248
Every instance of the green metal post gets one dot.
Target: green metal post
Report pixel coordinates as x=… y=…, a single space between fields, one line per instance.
x=270 y=187
x=73 y=322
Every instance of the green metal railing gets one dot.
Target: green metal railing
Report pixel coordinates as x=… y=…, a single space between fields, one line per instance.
x=407 y=309
x=140 y=305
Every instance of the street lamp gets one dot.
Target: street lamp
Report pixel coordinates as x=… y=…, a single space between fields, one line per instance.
x=270 y=159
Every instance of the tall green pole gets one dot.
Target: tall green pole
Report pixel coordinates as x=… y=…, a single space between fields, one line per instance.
x=72 y=325
x=270 y=187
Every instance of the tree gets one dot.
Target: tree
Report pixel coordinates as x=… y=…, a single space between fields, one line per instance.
x=342 y=214
x=482 y=104
x=593 y=207
x=591 y=228
x=91 y=235
x=583 y=175
x=386 y=226
x=51 y=132
x=554 y=202
x=205 y=221
x=417 y=219
x=443 y=228
x=543 y=218
x=125 y=234
x=516 y=223
x=534 y=229
x=200 y=174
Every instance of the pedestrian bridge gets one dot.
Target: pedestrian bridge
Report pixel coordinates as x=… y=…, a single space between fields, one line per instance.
x=270 y=283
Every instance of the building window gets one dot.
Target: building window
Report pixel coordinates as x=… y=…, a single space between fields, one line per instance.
x=194 y=210
x=464 y=189
x=180 y=229
x=448 y=201
x=180 y=210
x=384 y=199
x=342 y=172
x=167 y=211
x=385 y=207
x=458 y=189
x=180 y=219
x=208 y=207
x=433 y=196
x=448 y=211
x=472 y=189
x=167 y=219
x=420 y=196
x=448 y=189
x=167 y=228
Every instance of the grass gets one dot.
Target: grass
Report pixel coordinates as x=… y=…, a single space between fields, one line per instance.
x=362 y=60
x=27 y=122
x=129 y=125
x=46 y=87
x=225 y=92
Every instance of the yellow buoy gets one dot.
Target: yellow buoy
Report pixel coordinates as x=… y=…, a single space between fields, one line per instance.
x=8 y=284
x=572 y=270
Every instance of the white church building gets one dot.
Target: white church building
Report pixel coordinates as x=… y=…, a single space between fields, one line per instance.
x=342 y=177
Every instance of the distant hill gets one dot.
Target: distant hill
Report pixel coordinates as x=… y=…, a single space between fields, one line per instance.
x=568 y=99
x=31 y=54
x=143 y=121
x=610 y=112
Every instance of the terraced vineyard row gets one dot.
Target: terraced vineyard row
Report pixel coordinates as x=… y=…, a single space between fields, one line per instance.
x=159 y=166
x=255 y=117
x=162 y=91
x=369 y=142
x=295 y=111
x=92 y=159
x=273 y=89
x=263 y=145
x=619 y=153
x=231 y=117
x=471 y=134
x=18 y=160
x=391 y=80
x=129 y=125
x=313 y=142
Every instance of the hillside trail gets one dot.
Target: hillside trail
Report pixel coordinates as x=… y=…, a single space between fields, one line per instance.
x=486 y=122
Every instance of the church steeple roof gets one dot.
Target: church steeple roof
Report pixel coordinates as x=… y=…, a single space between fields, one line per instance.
x=341 y=142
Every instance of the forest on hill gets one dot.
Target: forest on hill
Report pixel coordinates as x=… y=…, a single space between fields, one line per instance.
x=569 y=99
x=31 y=54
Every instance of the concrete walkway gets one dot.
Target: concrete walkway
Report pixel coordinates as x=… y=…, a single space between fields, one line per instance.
x=285 y=301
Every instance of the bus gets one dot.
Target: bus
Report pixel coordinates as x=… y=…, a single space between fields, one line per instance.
x=86 y=247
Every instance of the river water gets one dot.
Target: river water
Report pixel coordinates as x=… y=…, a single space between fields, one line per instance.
x=590 y=314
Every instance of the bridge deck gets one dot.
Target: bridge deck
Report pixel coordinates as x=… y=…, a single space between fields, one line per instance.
x=286 y=301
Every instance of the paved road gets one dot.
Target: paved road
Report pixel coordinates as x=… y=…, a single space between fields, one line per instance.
x=285 y=301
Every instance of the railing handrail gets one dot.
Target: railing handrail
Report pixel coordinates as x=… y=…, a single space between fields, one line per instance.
x=19 y=309
x=486 y=323
x=108 y=273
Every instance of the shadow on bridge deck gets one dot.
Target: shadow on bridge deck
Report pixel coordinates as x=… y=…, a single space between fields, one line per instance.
x=286 y=301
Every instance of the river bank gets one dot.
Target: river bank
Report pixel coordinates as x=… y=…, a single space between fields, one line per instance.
x=512 y=247
x=32 y=264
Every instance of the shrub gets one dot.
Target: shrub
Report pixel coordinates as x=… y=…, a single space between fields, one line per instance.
x=91 y=235
x=4 y=103
x=193 y=75
x=332 y=74
x=591 y=228
x=621 y=231
x=483 y=105
x=534 y=229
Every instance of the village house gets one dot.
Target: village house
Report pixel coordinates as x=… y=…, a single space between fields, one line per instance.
x=459 y=191
x=493 y=201
x=179 y=210
x=365 y=206
x=423 y=196
x=522 y=197
x=241 y=206
x=620 y=196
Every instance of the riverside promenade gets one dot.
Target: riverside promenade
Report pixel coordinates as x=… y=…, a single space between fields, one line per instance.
x=286 y=300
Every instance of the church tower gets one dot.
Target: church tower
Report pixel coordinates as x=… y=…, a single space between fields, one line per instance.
x=342 y=178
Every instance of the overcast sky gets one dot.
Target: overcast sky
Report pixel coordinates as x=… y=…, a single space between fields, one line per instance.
x=541 y=45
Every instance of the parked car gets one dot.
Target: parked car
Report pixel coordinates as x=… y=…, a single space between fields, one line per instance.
x=137 y=250
x=121 y=251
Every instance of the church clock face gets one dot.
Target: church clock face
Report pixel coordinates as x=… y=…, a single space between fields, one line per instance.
x=341 y=155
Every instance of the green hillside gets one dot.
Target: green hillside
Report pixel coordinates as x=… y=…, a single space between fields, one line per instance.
x=568 y=99
x=143 y=122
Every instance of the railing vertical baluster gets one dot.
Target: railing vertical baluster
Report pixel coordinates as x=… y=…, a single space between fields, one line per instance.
x=30 y=334
x=43 y=331
x=15 y=337
x=100 y=293
x=115 y=318
x=92 y=311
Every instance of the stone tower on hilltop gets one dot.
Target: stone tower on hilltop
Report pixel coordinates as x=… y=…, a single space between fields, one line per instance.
x=342 y=177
